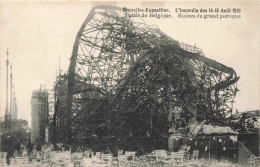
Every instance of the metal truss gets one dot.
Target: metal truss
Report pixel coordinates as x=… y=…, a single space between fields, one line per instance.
x=128 y=82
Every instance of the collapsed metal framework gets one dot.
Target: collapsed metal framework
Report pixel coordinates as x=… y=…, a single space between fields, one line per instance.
x=129 y=83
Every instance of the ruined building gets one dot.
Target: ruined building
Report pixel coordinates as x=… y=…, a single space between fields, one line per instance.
x=129 y=83
x=39 y=113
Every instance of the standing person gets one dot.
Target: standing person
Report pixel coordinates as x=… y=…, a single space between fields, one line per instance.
x=29 y=148
x=18 y=147
x=38 y=149
x=9 y=146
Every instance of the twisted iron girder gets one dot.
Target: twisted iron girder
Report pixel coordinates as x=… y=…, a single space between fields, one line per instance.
x=130 y=79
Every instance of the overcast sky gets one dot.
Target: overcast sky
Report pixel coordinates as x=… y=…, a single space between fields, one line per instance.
x=38 y=33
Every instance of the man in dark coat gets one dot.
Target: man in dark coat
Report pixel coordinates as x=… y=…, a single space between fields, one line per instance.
x=38 y=149
x=17 y=147
x=29 y=148
x=9 y=146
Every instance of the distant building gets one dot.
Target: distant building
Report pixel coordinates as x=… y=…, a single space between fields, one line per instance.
x=39 y=113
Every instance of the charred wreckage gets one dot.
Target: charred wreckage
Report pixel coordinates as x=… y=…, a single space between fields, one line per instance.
x=129 y=83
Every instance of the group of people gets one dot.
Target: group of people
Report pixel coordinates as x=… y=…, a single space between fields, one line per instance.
x=38 y=149
x=35 y=151
x=15 y=149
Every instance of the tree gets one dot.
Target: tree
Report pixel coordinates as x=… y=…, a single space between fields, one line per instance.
x=18 y=131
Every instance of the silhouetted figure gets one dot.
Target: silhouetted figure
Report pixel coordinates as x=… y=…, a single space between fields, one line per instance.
x=9 y=146
x=38 y=149
x=29 y=148
x=17 y=147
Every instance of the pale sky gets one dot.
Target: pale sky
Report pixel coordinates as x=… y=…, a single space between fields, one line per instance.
x=38 y=33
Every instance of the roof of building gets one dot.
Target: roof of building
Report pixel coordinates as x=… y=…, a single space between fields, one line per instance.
x=202 y=129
